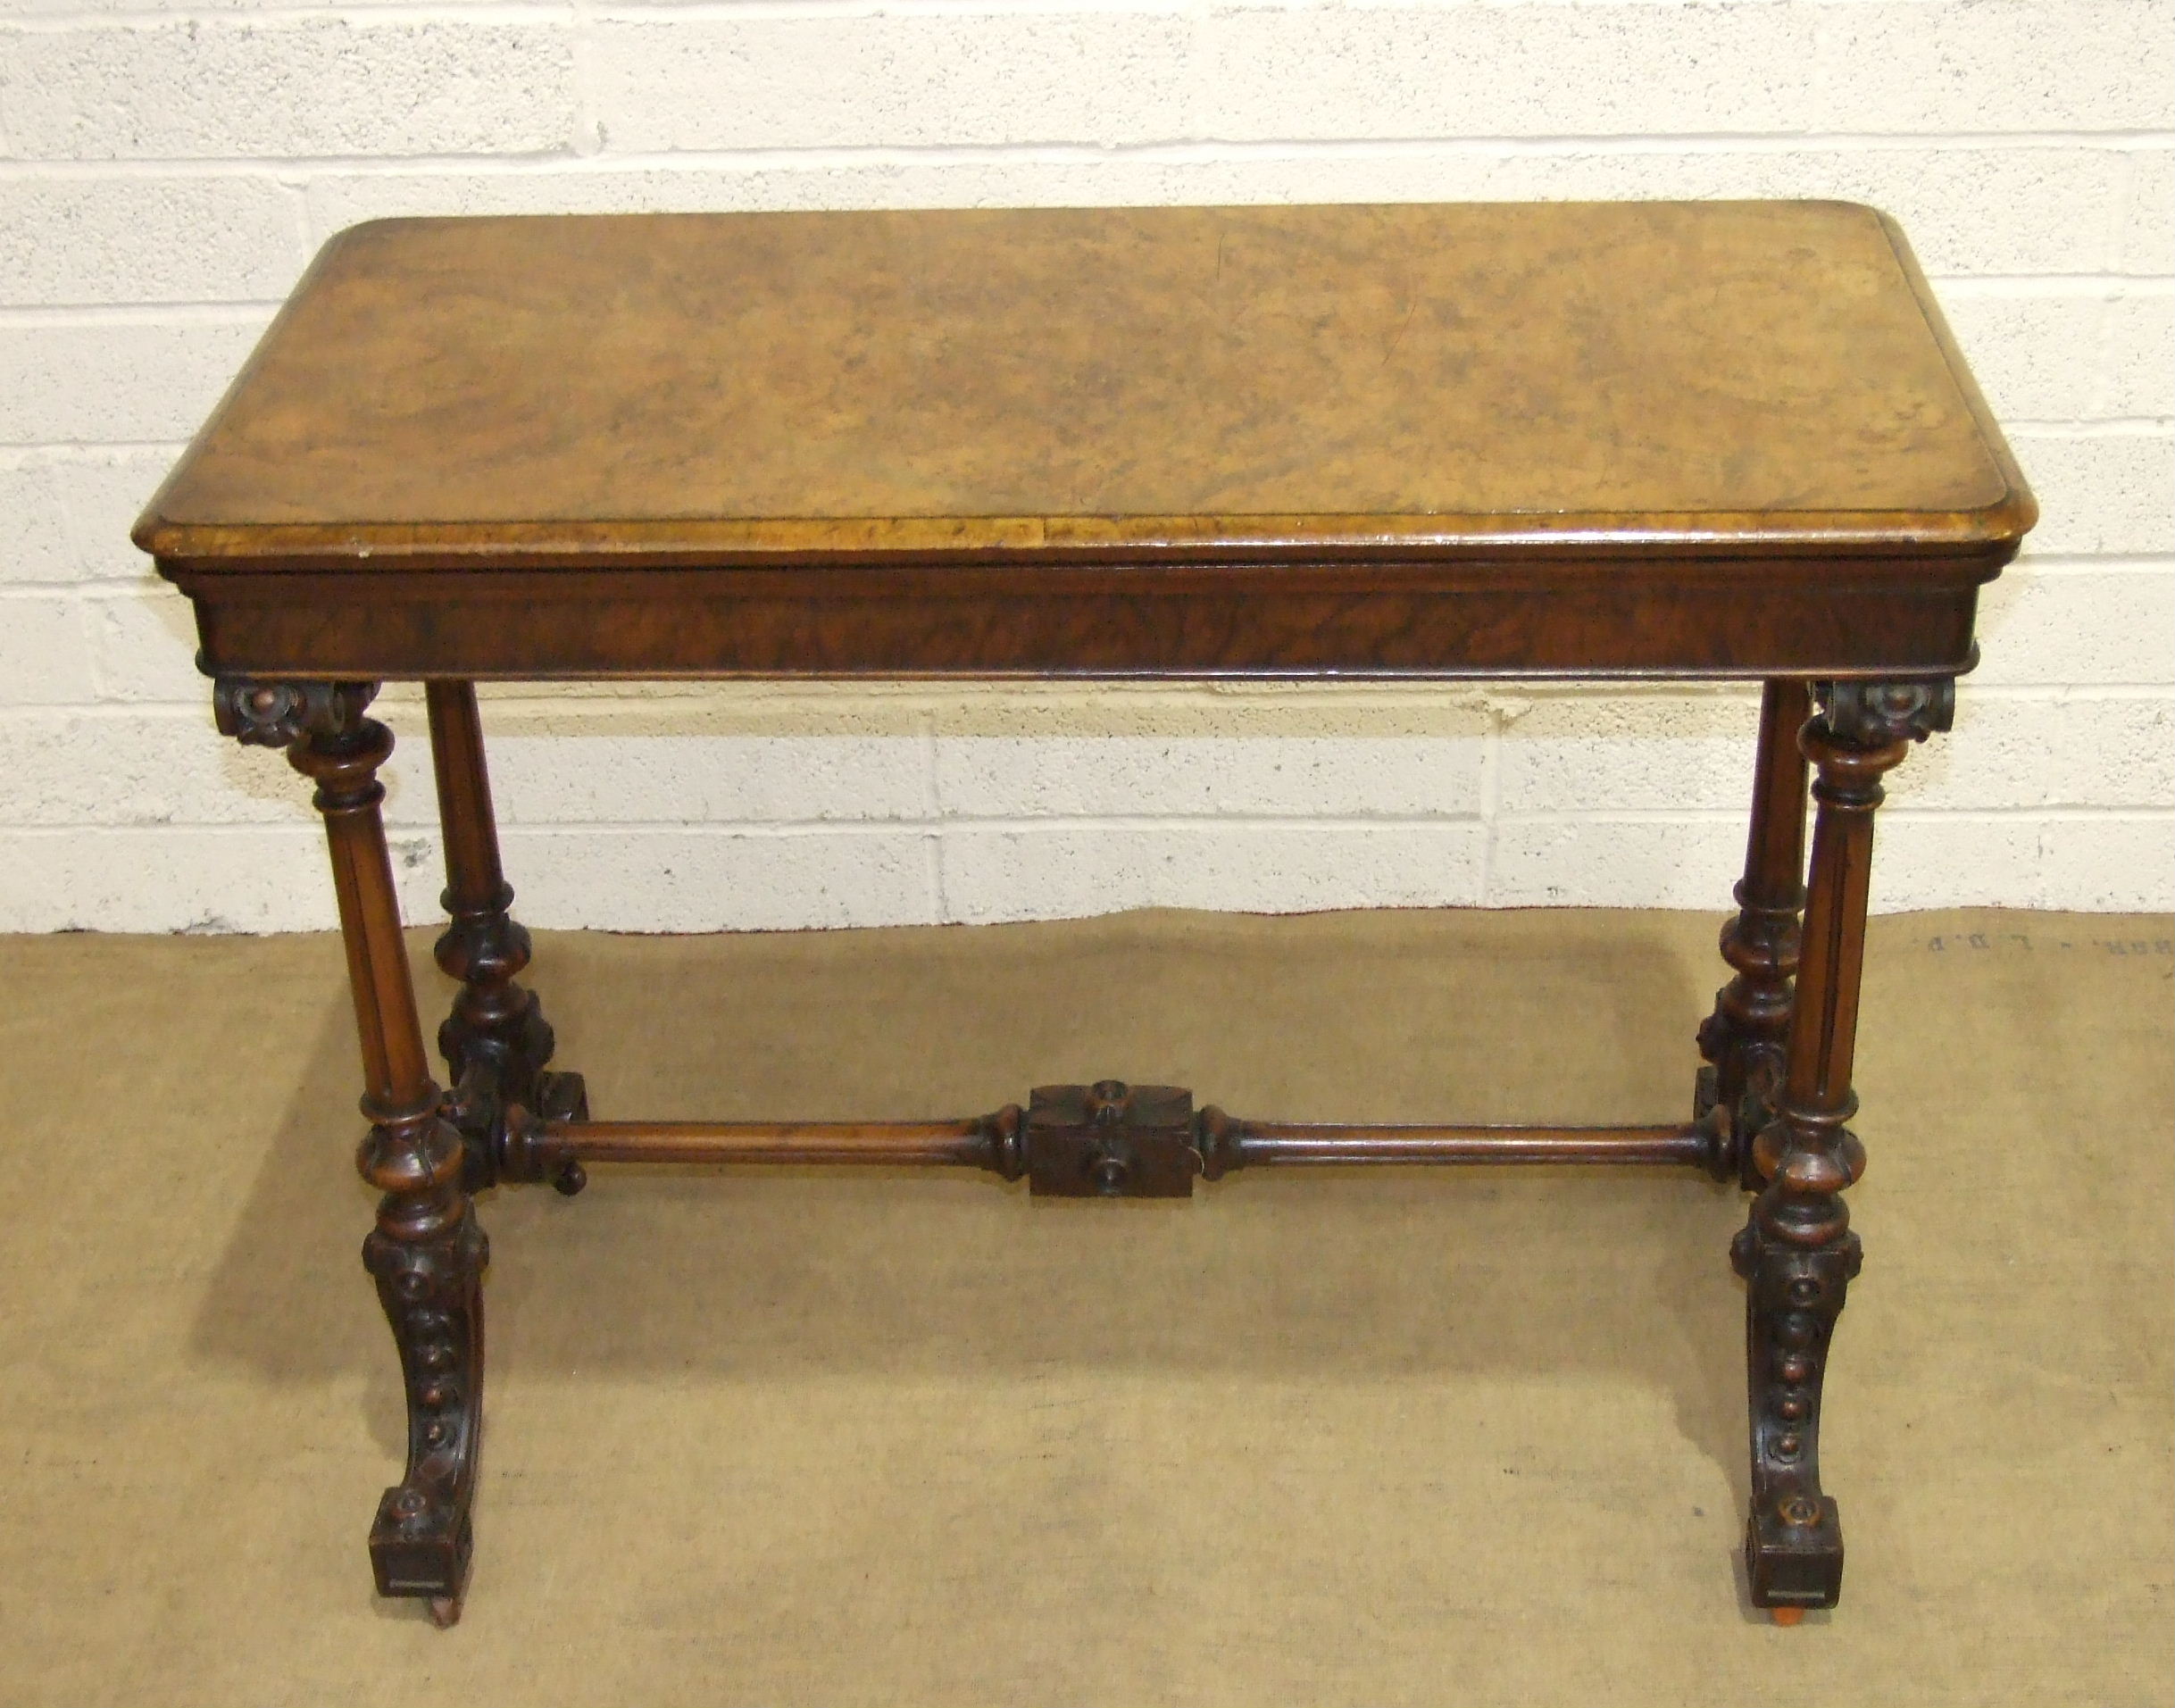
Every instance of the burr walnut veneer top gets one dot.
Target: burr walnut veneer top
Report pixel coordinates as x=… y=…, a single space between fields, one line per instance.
x=1614 y=380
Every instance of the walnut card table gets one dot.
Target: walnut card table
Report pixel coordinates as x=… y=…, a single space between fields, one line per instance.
x=1631 y=441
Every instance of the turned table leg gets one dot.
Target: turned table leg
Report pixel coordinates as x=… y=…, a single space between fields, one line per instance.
x=496 y=1040
x=1797 y=1252
x=1743 y=1039
x=427 y=1252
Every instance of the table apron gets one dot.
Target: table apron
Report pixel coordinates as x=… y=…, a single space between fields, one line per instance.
x=663 y=622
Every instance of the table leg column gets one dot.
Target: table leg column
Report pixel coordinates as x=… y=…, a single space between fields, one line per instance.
x=427 y=1252
x=1743 y=1039
x=496 y=1040
x=1797 y=1252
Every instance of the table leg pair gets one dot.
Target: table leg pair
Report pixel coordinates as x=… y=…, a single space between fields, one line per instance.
x=1777 y=1093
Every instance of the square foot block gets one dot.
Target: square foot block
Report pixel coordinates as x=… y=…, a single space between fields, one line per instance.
x=419 y=1547
x=1794 y=1565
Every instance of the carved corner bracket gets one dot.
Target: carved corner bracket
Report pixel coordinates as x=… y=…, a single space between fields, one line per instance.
x=1875 y=714
x=278 y=715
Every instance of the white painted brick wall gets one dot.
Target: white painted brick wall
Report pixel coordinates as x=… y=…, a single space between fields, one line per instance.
x=168 y=166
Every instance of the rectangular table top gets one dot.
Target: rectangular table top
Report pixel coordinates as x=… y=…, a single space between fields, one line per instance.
x=1505 y=381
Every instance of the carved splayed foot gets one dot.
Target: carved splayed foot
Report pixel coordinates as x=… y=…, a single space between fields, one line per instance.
x=431 y=1291
x=1794 y=1539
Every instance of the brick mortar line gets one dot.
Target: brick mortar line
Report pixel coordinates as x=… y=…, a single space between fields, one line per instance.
x=283 y=168
x=588 y=138
x=855 y=9
x=2107 y=349
x=51 y=451
x=561 y=12
x=916 y=829
x=239 y=19
x=550 y=12
x=2124 y=216
x=2084 y=563
x=2122 y=426
x=1499 y=720
x=40 y=316
x=2023 y=287
x=1176 y=151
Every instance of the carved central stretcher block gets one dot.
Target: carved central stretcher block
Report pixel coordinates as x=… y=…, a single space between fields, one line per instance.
x=1111 y=1140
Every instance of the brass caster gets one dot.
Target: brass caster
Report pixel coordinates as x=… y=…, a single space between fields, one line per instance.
x=446 y=1612
x=570 y=1179
x=1787 y=1616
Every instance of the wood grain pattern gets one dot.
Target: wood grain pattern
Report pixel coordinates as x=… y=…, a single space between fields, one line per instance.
x=1596 y=379
x=1713 y=618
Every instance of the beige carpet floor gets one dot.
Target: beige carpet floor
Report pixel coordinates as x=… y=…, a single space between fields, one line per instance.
x=1452 y=1436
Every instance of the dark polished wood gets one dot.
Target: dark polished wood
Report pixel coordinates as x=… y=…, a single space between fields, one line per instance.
x=1797 y=1254
x=427 y=1251
x=1066 y=1150
x=1708 y=440
x=1743 y=1039
x=1377 y=617
x=1258 y=1144
x=496 y=1040
x=975 y=1141
x=1657 y=441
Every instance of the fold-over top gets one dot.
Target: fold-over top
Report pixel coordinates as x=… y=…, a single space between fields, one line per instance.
x=1608 y=379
